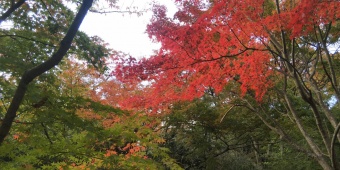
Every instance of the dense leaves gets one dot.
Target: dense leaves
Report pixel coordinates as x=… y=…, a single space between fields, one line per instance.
x=58 y=124
x=236 y=84
x=283 y=54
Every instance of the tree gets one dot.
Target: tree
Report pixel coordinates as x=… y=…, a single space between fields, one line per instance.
x=209 y=133
x=58 y=118
x=200 y=136
x=68 y=127
x=280 y=51
x=43 y=67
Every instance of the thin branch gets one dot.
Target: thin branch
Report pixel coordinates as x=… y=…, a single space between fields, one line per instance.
x=329 y=61
x=226 y=113
x=27 y=38
x=109 y=12
x=44 y=4
x=46 y=133
x=21 y=122
x=228 y=56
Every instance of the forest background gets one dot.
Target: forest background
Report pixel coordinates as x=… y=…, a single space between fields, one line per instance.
x=235 y=84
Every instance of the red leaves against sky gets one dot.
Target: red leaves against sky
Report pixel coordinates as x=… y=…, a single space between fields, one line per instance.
x=208 y=44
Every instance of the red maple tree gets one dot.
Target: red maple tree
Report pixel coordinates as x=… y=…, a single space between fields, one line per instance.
x=210 y=43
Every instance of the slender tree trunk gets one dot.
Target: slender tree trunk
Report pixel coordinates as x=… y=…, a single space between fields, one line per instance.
x=319 y=155
x=335 y=162
x=29 y=75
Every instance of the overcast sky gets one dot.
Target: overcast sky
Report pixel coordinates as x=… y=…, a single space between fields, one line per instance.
x=125 y=32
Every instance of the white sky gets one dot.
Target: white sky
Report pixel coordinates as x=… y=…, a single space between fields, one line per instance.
x=125 y=32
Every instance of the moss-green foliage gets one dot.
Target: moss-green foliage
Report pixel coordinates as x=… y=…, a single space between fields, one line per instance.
x=199 y=137
x=54 y=136
x=51 y=130
x=289 y=159
x=210 y=133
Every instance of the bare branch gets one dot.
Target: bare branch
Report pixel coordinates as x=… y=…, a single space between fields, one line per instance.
x=118 y=11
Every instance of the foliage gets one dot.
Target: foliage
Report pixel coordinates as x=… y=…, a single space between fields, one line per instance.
x=199 y=136
x=68 y=129
x=208 y=133
x=60 y=123
x=236 y=84
x=283 y=54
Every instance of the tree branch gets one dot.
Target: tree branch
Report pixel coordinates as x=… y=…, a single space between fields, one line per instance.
x=14 y=7
x=27 y=38
x=108 y=12
x=46 y=133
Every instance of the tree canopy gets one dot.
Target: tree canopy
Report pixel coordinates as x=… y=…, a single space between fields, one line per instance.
x=281 y=53
x=236 y=84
